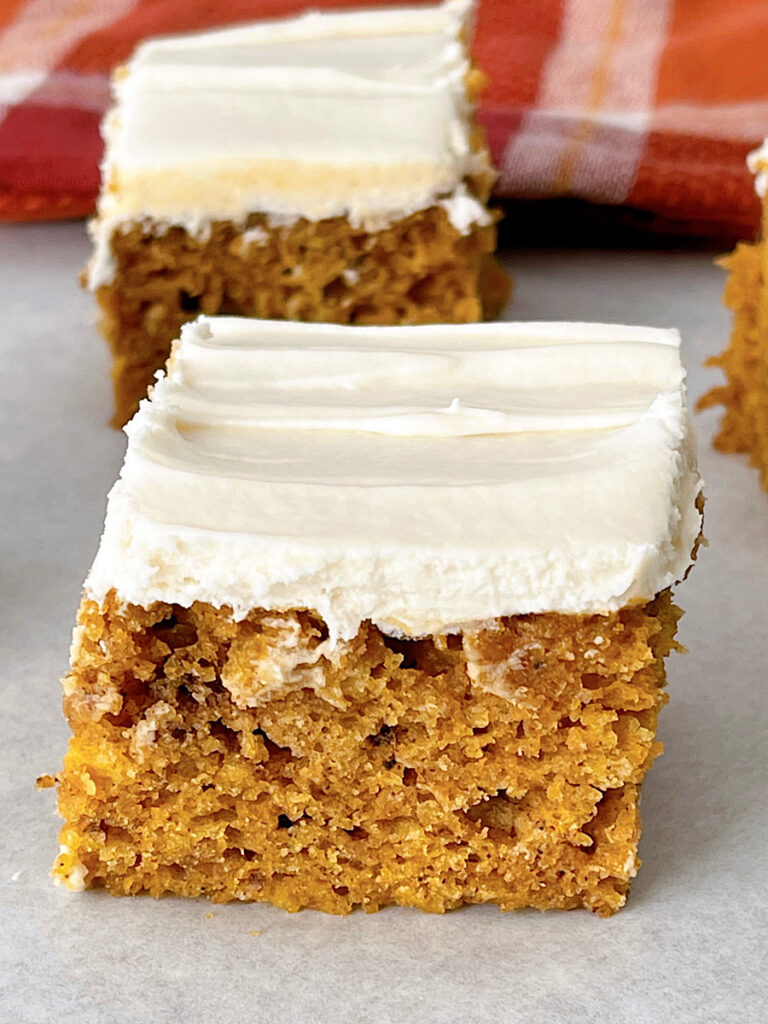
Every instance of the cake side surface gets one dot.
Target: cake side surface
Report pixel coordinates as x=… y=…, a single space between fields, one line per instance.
x=744 y=362
x=499 y=765
x=420 y=269
x=744 y=426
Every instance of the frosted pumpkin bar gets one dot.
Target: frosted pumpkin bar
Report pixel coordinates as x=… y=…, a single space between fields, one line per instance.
x=323 y=168
x=744 y=427
x=379 y=615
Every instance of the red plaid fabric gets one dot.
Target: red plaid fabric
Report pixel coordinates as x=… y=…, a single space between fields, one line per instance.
x=650 y=104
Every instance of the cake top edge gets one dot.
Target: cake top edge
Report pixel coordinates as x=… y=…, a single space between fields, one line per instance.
x=450 y=16
x=220 y=331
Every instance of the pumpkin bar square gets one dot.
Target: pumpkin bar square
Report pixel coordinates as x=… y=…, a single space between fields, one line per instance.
x=380 y=616
x=744 y=362
x=324 y=168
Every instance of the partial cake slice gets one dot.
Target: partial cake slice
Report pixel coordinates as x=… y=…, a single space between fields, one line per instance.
x=325 y=168
x=745 y=361
x=380 y=615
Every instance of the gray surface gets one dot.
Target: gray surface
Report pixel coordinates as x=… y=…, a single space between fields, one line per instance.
x=690 y=946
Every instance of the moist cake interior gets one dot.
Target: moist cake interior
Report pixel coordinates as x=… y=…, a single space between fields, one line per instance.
x=499 y=765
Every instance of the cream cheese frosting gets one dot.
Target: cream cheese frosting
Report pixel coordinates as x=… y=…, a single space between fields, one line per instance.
x=425 y=478
x=363 y=114
x=757 y=161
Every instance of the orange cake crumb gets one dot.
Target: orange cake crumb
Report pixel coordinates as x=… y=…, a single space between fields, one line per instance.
x=499 y=765
x=419 y=270
x=745 y=361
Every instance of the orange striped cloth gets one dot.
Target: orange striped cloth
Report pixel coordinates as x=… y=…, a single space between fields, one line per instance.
x=648 y=104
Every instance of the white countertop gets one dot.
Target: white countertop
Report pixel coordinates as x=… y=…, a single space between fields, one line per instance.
x=691 y=943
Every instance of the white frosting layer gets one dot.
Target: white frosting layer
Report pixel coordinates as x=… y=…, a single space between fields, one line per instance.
x=757 y=162
x=421 y=477
x=363 y=114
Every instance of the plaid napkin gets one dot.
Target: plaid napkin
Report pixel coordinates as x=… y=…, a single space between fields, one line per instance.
x=643 y=104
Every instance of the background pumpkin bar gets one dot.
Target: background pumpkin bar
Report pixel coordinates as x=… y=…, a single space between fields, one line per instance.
x=745 y=360
x=379 y=615
x=325 y=168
